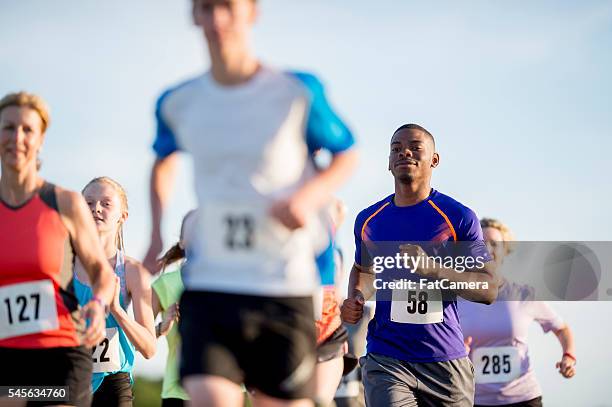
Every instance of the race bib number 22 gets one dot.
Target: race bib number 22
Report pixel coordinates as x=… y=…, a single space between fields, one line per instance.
x=105 y=355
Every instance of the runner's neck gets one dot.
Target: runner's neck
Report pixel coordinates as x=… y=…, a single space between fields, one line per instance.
x=82 y=275
x=411 y=194
x=17 y=188
x=109 y=244
x=233 y=68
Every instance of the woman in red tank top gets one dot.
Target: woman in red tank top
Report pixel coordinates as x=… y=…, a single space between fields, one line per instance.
x=43 y=340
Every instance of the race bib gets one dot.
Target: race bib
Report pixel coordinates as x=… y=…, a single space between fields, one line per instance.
x=499 y=364
x=240 y=234
x=417 y=306
x=105 y=355
x=27 y=308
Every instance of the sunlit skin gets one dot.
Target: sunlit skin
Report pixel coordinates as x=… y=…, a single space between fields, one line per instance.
x=21 y=137
x=495 y=243
x=412 y=158
x=105 y=206
x=224 y=21
x=226 y=25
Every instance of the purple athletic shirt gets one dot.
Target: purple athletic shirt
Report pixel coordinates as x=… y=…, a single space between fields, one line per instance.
x=505 y=324
x=438 y=218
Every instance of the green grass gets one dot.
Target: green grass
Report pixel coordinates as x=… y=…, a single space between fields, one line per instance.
x=147 y=393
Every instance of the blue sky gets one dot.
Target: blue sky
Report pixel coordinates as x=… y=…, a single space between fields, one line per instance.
x=518 y=95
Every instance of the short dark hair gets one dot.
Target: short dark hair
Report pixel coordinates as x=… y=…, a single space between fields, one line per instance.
x=413 y=126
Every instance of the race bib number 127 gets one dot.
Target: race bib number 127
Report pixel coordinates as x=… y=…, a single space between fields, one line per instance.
x=27 y=308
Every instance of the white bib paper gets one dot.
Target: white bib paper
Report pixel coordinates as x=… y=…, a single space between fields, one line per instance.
x=417 y=306
x=239 y=234
x=27 y=308
x=498 y=364
x=105 y=355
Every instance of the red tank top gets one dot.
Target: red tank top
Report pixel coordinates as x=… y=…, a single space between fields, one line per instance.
x=38 y=308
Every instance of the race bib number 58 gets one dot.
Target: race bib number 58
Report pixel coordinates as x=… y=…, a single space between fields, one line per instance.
x=417 y=306
x=27 y=308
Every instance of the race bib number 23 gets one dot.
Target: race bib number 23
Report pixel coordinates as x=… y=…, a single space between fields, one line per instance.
x=239 y=234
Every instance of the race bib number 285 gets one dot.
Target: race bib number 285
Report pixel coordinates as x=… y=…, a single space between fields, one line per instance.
x=27 y=308
x=499 y=364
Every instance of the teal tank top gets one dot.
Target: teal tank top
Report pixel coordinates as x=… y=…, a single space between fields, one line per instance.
x=115 y=353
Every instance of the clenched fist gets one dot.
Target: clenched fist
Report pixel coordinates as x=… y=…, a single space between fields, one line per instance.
x=351 y=310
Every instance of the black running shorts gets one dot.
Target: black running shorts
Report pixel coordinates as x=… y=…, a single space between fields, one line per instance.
x=69 y=366
x=333 y=347
x=115 y=390
x=267 y=343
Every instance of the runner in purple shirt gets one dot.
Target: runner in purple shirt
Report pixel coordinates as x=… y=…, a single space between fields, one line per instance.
x=415 y=351
x=496 y=336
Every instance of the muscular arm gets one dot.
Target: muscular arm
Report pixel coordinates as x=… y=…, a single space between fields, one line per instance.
x=359 y=290
x=481 y=275
x=361 y=282
x=162 y=181
x=140 y=330
x=315 y=193
x=433 y=269
x=320 y=188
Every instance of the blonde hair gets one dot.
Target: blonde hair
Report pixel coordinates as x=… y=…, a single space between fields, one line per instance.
x=29 y=100
x=503 y=229
x=122 y=198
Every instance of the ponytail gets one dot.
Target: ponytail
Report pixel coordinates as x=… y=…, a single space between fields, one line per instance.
x=174 y=254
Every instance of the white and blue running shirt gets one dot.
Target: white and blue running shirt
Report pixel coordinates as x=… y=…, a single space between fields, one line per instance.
x=251 y=145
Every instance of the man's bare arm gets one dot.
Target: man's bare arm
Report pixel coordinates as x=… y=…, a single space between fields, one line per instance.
x=361 y=281
x=163 y=174
x=485 y=274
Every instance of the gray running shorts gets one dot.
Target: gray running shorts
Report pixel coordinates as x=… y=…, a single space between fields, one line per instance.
x=389 y=382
